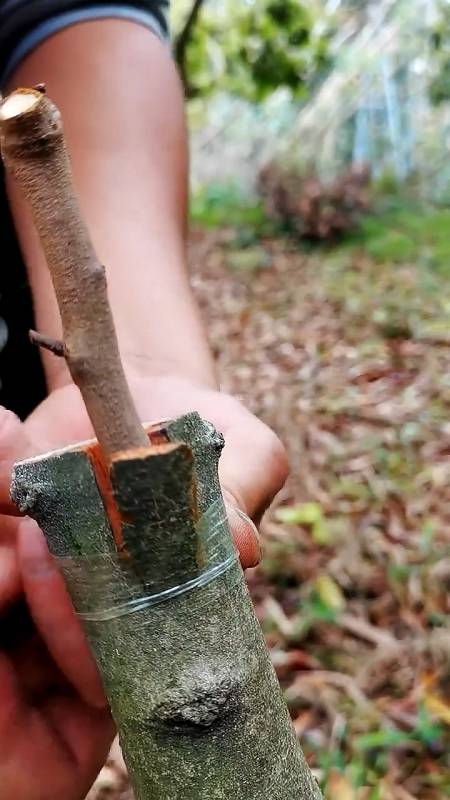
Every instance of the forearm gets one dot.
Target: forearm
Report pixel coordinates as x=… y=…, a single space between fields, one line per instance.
x=121 y=101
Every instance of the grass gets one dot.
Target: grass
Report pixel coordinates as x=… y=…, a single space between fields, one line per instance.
x=398 y=231
x=224 y=205
x=401 y=232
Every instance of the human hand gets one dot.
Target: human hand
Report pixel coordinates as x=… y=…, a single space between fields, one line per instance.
x=49 y=686
x=55 y=729
x=252 y=467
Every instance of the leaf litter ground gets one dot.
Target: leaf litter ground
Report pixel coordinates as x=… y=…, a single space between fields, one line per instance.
x=349 y=361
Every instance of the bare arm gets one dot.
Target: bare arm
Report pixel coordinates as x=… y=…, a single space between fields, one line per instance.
x=123 y=112
x=122 y=105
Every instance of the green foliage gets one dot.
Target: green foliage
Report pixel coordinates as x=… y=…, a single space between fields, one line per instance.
x=301 y=514
x=224 y=205
x=315 y=610
x=333 y=759
x=404 y=233
x=309 y=515
x=392 y=246
x=329 y=594
x=384 y=738
x=387 y=184
x=439 y=89
x=248 y=259
x=251 y=49
x=426 y=732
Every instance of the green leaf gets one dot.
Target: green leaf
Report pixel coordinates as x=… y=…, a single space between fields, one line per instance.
x=254 y=49
x=427 y=730
x=309 y=515
x=301 y=514
x=329 y=593
x=321 y=533
x=382 y=739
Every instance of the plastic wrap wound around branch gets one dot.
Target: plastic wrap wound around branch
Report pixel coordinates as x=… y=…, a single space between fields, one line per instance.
x=217 y=557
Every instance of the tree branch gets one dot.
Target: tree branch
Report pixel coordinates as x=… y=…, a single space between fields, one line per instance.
x=184 y=38
x=47 y=343
x=191 y=687
x=34 y=151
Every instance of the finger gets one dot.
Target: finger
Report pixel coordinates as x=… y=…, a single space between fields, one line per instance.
x=9 y=570
x=9 y=577
x=11 y=700
x=245 y=535
x=16 y=626
x=47 y=424
x=253 y=467
x=88 y=733
x=53 y=614
x=15 y=445
x=35 y=670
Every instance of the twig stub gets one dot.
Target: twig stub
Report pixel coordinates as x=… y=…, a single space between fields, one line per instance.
x=55 y=346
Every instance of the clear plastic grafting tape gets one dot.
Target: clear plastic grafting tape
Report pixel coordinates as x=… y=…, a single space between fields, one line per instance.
x=105 y=586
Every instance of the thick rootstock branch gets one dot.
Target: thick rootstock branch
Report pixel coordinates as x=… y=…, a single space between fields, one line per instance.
x=34 y=151
x=196 y=701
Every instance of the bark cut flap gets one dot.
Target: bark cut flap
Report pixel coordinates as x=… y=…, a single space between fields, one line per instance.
x=156 y=498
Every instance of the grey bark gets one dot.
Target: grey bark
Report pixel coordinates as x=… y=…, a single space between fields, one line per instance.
x=197 y=704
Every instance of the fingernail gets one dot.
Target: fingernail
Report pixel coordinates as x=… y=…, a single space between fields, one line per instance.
x=245 y=518
x=246 y=536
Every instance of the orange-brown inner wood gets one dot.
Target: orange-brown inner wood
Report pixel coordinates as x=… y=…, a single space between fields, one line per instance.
x=157 y=435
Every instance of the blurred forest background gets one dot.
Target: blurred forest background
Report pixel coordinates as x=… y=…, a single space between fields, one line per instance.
x=320 y=249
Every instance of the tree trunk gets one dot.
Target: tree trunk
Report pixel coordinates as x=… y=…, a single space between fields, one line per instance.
x=196 y=701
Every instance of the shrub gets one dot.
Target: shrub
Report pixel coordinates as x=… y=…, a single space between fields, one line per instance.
x=312 y=209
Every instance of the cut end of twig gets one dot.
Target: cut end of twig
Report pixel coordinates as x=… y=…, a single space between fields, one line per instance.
x=19 y=102
x=47 y=343
x=136 y=453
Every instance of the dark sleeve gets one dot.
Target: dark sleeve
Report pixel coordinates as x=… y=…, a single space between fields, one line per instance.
x=24 y=24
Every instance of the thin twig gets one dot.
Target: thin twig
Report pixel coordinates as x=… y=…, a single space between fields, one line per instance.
x=34 y=151
x=364 y=630
x=184 y=38
x=55 y=346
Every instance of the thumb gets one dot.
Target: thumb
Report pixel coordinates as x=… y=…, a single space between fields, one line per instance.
x=15 y=445
x=253 y=468
x=245 y=535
